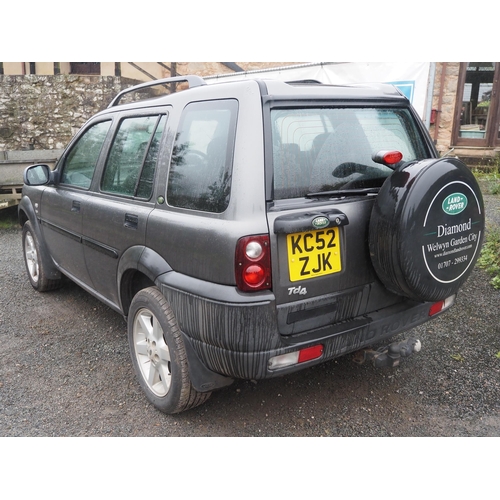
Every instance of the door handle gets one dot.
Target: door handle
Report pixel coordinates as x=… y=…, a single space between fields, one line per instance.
x=131 y=221
x=75 y=206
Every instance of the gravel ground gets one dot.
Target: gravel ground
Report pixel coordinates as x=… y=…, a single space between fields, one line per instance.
x=65 y=371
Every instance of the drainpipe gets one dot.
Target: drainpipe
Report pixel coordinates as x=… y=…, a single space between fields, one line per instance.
x=430 y=92
x=438 y=114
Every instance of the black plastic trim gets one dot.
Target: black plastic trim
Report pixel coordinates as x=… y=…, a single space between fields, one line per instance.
x=212 y=291
x=304 y=222
x=105 y=250
x=64 y=232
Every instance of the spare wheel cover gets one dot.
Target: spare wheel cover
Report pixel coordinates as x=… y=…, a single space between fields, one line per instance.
x=426 y=229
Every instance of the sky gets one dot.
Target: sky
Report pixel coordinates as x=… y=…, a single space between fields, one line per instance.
x=382 y=31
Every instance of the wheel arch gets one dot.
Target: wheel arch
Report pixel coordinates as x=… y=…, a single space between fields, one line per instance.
x=139 y=268
x=25 y=213
x=21 y=216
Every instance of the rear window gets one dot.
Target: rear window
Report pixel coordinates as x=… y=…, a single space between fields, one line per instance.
x=325 y=149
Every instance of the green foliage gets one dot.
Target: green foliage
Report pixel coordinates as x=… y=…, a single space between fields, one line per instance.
x=489 y=260
x=488 y=177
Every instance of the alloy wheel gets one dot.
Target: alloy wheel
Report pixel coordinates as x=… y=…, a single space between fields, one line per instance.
x=152 y=352
x=31 y=254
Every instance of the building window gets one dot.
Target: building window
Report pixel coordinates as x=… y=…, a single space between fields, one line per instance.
x=85 y=68
x=477 y=114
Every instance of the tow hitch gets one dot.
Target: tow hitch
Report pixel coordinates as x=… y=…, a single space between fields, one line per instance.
x=389 y=355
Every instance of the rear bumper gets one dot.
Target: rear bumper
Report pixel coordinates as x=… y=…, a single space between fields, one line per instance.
x=337 y=340
x=237 y=340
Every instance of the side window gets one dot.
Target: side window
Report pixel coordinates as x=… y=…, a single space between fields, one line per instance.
x=131 y=162
x=200 y=170
x=82 y=159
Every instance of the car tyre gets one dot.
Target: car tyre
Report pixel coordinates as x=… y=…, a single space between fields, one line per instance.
x=159 y=354
x=32 y=258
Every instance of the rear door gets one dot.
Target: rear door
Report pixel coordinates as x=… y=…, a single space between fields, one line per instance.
x=116 y=216
x=323 y=187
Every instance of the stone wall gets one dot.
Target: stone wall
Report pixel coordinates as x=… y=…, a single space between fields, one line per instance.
x=44 y=112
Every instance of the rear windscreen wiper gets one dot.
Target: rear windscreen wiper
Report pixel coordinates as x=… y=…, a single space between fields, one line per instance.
x=338 y=193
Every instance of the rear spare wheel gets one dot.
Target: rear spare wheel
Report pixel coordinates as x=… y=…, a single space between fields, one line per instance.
x=426 y=229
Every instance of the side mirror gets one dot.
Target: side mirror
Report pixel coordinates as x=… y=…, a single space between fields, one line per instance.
x=37 y=175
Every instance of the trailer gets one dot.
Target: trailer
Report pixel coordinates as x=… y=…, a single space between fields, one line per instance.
x=12 y=166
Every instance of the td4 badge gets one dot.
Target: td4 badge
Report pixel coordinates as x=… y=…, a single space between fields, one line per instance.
x=297 y=290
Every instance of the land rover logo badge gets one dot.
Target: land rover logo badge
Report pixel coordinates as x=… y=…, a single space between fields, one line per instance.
x=454 y=204
x=320 y=222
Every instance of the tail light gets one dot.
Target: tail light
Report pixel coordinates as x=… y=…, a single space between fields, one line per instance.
x=440 y=306
x=296 y=357
x=253 y=263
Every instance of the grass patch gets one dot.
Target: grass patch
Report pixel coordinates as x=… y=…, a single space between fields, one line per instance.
x=488 y=176
x=489 y=182
x=489 y=260
x=8 y=218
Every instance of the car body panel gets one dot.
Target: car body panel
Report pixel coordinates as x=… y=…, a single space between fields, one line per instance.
x=61 y=217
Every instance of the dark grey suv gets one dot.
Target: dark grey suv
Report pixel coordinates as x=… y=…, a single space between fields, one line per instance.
x=251 y=229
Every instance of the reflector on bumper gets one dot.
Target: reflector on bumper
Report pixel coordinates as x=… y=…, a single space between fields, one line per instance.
x=440 y=306
x=296 y=357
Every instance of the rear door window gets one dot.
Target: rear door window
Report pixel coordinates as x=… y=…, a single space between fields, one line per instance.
x=202 y=158
x=326 y=149
x=131 y=162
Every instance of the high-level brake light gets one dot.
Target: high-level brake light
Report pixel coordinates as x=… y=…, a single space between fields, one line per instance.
x=388 y=158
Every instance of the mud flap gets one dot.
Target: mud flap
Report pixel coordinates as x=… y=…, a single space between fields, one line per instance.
x=203 y=379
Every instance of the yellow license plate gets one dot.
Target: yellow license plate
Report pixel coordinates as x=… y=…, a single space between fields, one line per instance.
x=313 y=253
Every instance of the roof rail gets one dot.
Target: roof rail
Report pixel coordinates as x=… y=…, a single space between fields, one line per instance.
x=193 y=81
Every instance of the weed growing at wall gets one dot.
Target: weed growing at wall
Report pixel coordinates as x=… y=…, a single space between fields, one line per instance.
x=490 y=257
x=488 y=178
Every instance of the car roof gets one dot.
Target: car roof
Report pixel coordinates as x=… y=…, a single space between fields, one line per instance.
x=269 y=89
